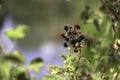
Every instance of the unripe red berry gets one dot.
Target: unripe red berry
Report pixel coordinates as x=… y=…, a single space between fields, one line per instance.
x=62 y=34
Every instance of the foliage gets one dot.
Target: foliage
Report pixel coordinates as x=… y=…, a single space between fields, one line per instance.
x=97 y=58
x=100 y=56
x=11 y=63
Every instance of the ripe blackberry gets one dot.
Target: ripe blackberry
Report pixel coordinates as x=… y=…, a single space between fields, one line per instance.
x=65 y=44
x=73 y=41
x=74 y=32
x=80 y=38
x=66 y=28
x=77 y=26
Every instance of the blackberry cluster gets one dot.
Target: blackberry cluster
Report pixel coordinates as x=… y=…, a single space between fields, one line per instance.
x=72 y=37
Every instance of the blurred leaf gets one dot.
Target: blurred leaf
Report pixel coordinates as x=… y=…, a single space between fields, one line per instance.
x=52 y=77
x=35 y=64
x=16 y=57
x=16 y=33
x=54 y=69
x=19 y=73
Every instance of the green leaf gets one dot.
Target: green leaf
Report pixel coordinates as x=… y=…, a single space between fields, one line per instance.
x=16 y=33
x=16 y=57
x=10 y=33
x=35 y=64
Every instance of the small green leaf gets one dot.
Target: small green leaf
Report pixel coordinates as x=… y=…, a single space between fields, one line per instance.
x=16 y=33
x=35 y=64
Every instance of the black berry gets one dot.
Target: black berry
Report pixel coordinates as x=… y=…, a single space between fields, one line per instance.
x=74 y=32
x=66 y=28
x=65 y=44
x=73 y=41
x=80 y=38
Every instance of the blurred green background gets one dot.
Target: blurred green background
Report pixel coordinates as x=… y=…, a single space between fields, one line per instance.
x=45 y=18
